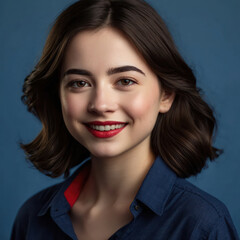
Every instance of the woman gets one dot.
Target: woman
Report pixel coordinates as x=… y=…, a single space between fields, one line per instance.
x=113 y=93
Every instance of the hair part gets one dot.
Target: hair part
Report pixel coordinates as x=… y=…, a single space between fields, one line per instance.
x=182 y=137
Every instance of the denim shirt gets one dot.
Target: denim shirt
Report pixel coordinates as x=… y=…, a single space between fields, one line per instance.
x=166 y=207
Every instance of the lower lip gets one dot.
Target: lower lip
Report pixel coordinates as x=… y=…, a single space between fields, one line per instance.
x=105 y=134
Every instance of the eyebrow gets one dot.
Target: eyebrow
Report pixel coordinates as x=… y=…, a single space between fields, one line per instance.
x=110 y=71
x=124 y=69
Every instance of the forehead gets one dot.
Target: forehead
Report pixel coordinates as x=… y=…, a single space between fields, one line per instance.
x=106 y=47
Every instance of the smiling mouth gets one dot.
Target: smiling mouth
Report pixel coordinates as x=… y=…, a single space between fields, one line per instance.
x=105 y=129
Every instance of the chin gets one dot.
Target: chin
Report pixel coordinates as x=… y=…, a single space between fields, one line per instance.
x=106 y=153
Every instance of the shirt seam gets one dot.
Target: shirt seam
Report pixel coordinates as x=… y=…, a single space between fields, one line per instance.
x=220 y=215
x=208 y=233
x=190 y=190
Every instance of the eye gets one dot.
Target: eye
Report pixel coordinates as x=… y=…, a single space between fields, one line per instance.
x=126 y=82
x=78 y=84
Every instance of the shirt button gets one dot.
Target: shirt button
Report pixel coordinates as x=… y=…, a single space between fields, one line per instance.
x=137 y=207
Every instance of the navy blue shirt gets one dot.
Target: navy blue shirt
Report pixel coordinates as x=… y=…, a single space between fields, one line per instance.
x=166 y=207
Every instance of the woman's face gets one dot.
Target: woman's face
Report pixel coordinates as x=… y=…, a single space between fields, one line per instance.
x=110 y=97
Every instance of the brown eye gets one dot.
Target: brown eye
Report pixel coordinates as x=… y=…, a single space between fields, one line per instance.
x=79 y=84
x=125 y=82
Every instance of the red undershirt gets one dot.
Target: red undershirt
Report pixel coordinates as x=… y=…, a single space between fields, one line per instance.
x=74 y=189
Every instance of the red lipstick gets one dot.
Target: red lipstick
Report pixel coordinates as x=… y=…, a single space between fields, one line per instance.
x=91 y=126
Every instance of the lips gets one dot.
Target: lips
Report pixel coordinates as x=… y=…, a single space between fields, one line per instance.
x=105 y=129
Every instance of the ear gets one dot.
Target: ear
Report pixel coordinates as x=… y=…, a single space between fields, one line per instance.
x=166 y=101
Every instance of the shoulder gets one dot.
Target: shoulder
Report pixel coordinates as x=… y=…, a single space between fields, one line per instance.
x=198 y=202
x=206 y=213
x=197 y=197
x=34 y=213
x=34 y=204
x=40 y=201
x=31 y=208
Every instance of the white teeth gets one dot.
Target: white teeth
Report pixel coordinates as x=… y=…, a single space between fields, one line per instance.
x=106 y=127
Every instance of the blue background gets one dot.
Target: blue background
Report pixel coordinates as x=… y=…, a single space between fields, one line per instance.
x=207 y=34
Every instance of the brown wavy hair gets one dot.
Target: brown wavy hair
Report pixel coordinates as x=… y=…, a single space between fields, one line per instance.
x=182 y=136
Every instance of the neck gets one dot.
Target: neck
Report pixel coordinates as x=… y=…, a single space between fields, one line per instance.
x=114 y=180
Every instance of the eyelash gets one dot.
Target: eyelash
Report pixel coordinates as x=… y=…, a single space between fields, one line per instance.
x=129 y=80
x=75 y=82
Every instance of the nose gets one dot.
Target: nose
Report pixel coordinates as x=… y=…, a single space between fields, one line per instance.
x=102 y=101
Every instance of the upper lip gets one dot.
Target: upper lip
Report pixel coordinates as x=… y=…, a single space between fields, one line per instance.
x=103 y=123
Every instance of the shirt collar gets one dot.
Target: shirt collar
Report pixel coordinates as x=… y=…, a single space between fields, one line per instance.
x=157 y=186
x=153 y=193
x=59 y=203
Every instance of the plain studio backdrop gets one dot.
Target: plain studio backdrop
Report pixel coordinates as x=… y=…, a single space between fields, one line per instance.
x=207 y=34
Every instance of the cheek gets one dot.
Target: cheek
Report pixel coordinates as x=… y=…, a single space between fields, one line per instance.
x=71 y=106
x=144 y=105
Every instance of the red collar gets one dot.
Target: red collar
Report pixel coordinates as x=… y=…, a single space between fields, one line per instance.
x=74 y=189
